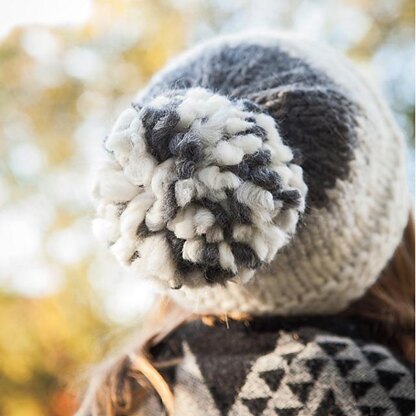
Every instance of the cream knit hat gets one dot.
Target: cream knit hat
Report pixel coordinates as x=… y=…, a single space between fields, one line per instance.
x=256 y=173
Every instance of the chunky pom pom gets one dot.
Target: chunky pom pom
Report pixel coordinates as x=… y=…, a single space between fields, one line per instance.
x=199 y=189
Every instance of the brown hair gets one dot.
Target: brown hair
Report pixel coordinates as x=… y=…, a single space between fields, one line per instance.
x=120 y=385
x=390 y=302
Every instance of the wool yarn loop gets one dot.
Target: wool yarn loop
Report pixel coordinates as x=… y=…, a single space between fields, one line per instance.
x=197 y=189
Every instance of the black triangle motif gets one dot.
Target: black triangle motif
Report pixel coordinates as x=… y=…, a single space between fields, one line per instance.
x=315 y=366
x=373 y=411
x=301 y=390
x=359 y=388
x=388 y=379
x=328 y=406
x=224 y=379
x=345 y=365
x=287 y=412
x=273 y=378
x=225 y=374
x=332 y=348
x=375 y=357
x=406 y=407
x=256 y=406
x=289 y=357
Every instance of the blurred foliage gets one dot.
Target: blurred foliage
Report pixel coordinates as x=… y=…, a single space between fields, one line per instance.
x=60 y=89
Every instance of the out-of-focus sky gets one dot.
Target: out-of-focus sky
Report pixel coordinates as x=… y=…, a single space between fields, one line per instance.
x=67 y=68
x=45 y=12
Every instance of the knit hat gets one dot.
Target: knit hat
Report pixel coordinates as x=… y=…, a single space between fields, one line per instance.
x=255 y=173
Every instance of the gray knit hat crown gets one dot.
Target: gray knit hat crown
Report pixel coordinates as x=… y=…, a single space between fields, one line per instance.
x=254 y=174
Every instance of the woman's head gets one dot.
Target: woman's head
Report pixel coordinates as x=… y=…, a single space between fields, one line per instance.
x=255 y=175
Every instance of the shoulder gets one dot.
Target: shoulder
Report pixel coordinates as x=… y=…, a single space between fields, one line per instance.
x=299 y=370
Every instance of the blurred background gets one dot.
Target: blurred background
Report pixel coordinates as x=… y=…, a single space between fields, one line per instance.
x=67 y=68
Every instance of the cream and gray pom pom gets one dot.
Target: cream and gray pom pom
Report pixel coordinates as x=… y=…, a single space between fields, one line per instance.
x=197 y=189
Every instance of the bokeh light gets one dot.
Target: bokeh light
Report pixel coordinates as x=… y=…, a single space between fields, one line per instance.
x=67 y=69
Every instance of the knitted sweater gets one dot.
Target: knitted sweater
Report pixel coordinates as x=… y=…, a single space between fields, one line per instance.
x=285 y=367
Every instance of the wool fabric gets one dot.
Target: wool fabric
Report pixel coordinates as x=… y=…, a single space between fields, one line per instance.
x=255 y=173
x=285 y=367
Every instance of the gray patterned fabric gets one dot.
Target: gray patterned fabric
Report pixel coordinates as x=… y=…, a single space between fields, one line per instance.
x=255 y=173
x=301 y=369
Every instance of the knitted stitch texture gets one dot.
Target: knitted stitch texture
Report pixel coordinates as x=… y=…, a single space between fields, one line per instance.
x=258 y=174
x=318 y=367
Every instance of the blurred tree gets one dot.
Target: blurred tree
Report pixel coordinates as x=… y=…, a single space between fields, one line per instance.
x=60 y=89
